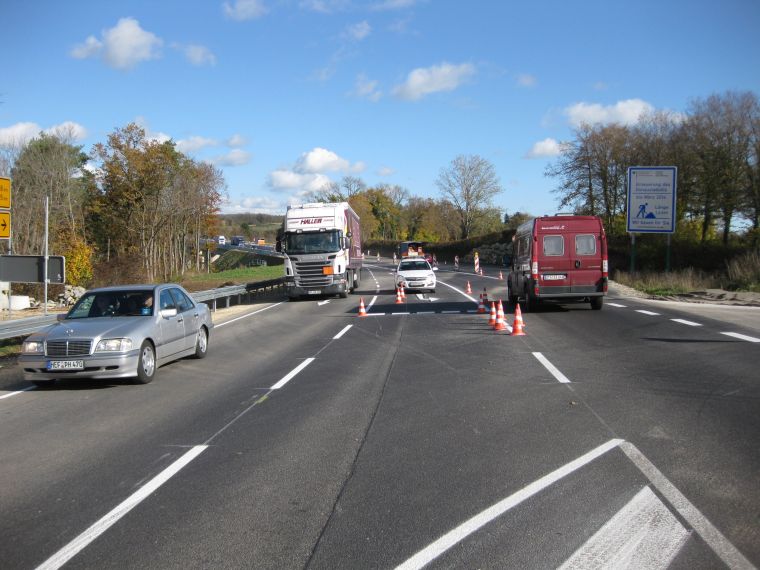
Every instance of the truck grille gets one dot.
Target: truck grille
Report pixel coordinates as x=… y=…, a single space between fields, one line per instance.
x=68 y=347
x=309 y=274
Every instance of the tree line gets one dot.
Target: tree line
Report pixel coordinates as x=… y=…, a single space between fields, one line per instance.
x=137 y=214
x=715 y=145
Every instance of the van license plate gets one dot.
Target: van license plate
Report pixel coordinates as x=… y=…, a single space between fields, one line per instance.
x=65 y=365
x=314 y=292
x=554 y=277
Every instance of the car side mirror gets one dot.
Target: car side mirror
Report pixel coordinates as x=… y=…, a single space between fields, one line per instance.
x=167 y=313
x=61 y=316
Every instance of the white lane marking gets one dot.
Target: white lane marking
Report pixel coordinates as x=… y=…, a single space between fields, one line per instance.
x=742 y=336
x=341 y=333
x=9 y=394
x=458 y=291
x=372 y=302
x=617 y=305
x=400 y=313
x=72 y=548
x=430 y=553
x=320 y=303
x=643 y=312
x=451 y=312
x=425 y=313
x=644 y=534
x=685 y=322
x=248 y=315
x=551 y=368
x=375 y=314
x=711 y=535
x=291 y=374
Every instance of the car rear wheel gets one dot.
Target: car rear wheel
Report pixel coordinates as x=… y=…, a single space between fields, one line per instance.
x=146 y=364
x=201 y=343
x=597 y=303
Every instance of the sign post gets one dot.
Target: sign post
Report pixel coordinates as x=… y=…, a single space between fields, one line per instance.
x=651 y=206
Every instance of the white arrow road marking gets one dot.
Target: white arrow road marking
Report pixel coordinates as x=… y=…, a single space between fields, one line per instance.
x=644 y=534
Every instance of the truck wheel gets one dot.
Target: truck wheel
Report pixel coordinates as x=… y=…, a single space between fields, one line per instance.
x=531 y=302
x=343 y=294
x=597 y=303
x=351 y=281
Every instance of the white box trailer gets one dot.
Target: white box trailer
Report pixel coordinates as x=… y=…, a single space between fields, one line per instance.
x=322 y=247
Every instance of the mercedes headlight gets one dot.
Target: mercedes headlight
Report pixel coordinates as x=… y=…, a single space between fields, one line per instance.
x=33 y=347
x=114 y=345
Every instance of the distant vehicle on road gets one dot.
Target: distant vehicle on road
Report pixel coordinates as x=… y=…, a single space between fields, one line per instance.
x=237 y=240
x=118 y=332
x=221 y=240
x=559 y=257
x=411 y=249
x=416 y=273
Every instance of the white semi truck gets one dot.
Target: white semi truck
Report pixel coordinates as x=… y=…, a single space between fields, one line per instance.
x=323 y=250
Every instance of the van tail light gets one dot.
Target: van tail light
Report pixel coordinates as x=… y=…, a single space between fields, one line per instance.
x=535 y=290
x=605 y=268
x=534 y=269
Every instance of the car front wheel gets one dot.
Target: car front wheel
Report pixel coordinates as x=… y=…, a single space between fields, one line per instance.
x=146 y=364
x=201 y=343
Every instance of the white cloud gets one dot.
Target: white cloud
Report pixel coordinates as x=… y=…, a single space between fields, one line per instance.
x=199 y=55
x=545 y=149
x=236 y=140
x=385 y=171
x=253 y=204
x=526 y=80
x=625 y=112
x=245 y=9
x=320 y=160
x=195 y=143
x=91 y=47
x=289 y=180
x=358 y=31
x=366 y=88
x=325 y=6
x=236 y=157
x=424 y=81
x=21 y=133
x=123 y=46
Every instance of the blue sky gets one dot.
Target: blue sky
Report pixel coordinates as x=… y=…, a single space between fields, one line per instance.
x=284 y=95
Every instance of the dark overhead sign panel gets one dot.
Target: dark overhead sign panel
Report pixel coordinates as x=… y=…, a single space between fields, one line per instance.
x=31 y=268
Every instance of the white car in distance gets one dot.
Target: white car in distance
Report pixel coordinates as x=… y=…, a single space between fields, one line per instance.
x=416 y=274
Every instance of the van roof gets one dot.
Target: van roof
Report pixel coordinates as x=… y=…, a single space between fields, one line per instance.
x=562 y=222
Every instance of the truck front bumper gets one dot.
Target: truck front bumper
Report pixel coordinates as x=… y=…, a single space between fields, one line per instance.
x=336 y=288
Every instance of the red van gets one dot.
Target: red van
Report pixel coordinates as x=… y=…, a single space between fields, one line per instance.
x=559 y=257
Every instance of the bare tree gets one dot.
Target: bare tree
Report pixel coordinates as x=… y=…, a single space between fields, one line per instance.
x=469 y=183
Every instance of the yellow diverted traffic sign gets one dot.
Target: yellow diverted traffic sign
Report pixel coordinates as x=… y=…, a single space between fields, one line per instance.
x=5 y=193
x=5 y=225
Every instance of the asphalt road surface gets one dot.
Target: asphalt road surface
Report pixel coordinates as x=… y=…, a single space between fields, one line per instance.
x=414 y=437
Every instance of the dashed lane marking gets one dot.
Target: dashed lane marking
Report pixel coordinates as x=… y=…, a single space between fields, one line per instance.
x=643 y=312
x=685 y=322
x=741 y=336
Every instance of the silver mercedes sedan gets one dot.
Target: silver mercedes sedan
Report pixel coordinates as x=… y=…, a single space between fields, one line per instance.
x=119 y=332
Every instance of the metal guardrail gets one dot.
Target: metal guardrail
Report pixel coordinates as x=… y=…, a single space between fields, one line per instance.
x=22 y=327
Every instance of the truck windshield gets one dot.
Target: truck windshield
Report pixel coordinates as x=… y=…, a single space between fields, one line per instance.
x=312 y=242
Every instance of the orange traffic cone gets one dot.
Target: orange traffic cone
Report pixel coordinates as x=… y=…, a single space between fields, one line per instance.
x=403 y=293
x=469 y=289
x=517 y=327
x=485 y=295
x=362 y=309
x=481 y=307
x=399 y=300
x=492 y=318
x=501 y=324
x=501 y=277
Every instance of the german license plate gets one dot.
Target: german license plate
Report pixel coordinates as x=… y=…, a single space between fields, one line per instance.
x=314 y=292
x=554 y=277
x=65 y=365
